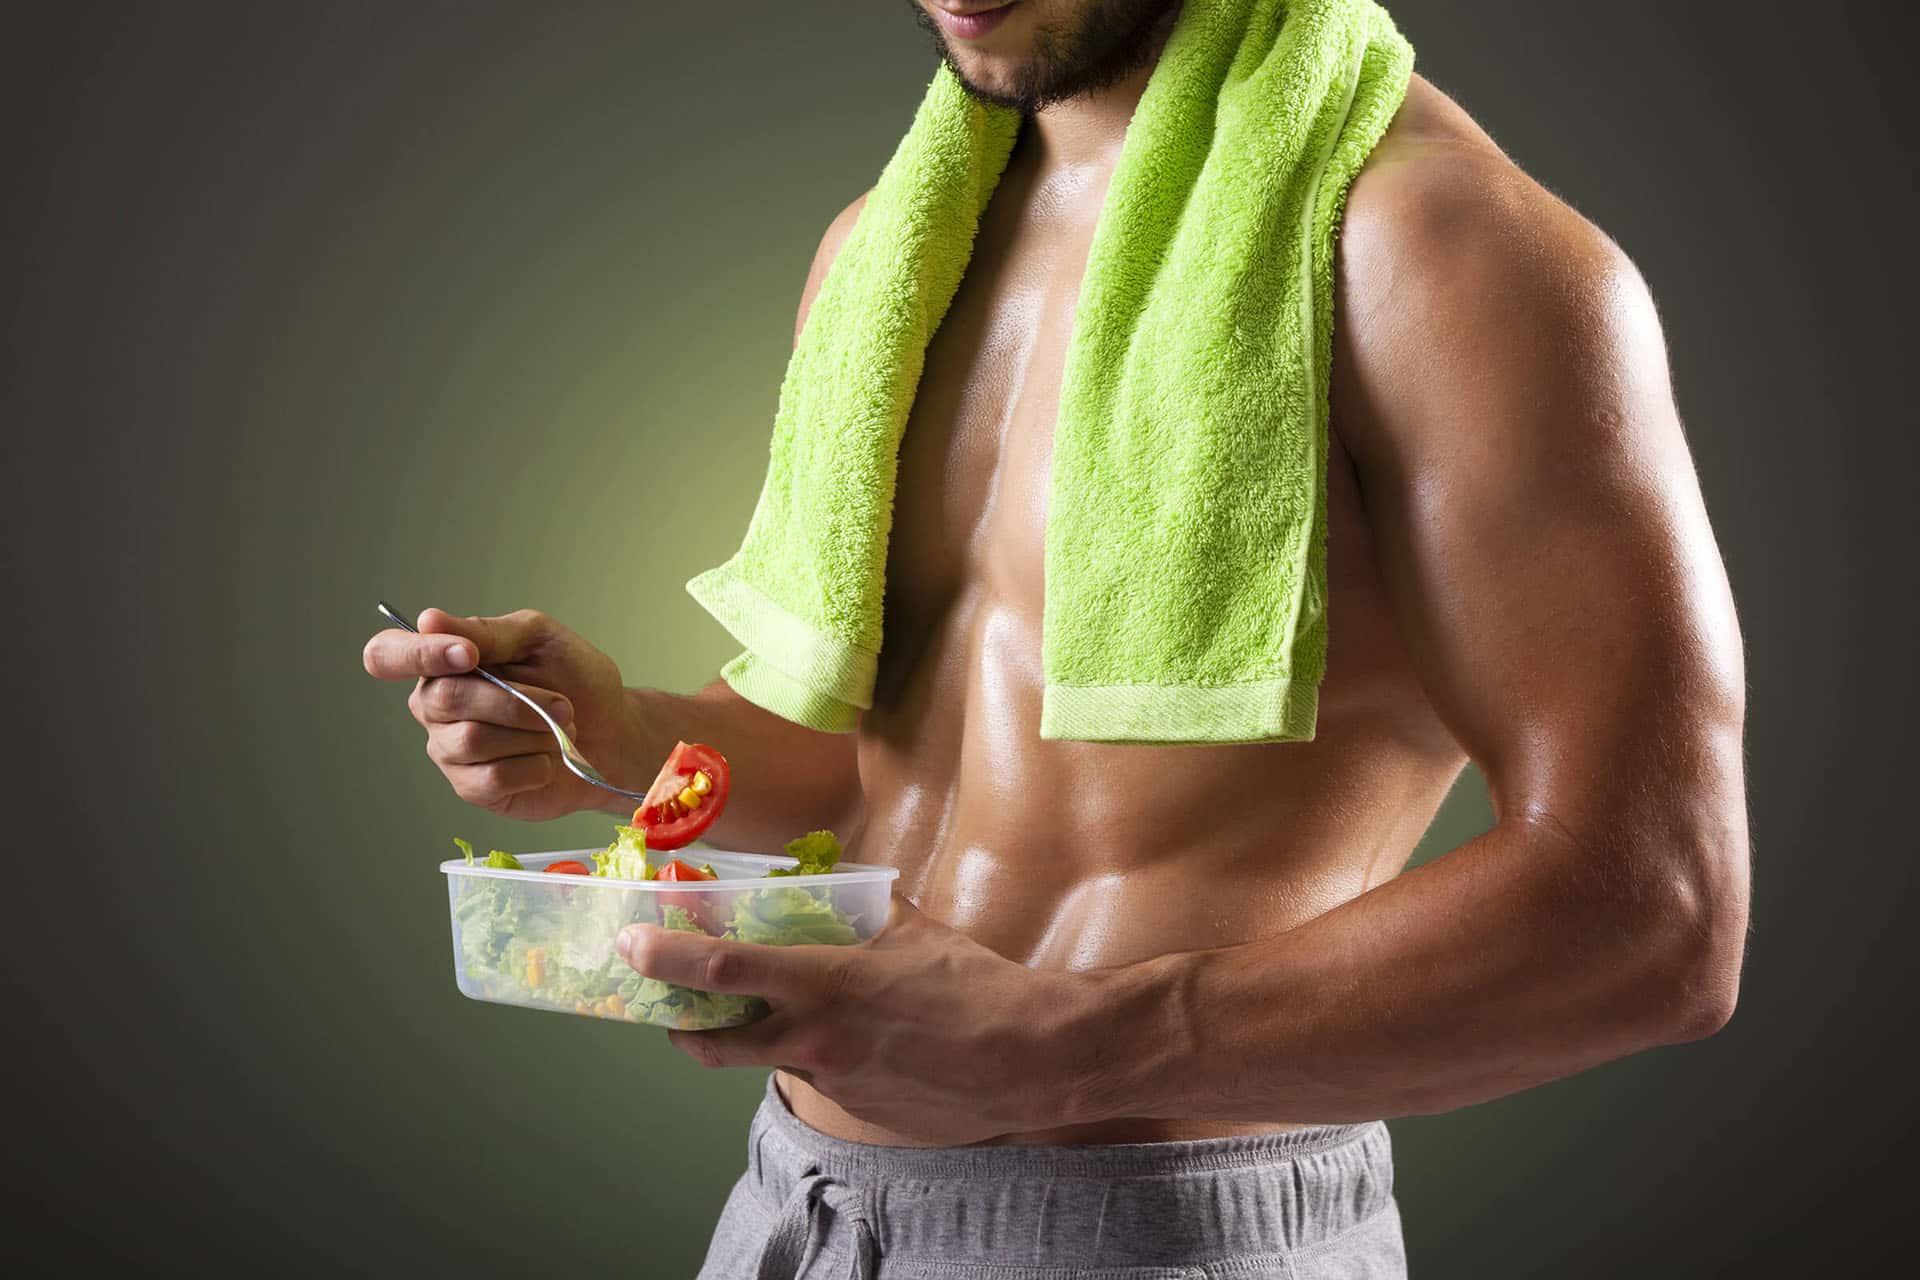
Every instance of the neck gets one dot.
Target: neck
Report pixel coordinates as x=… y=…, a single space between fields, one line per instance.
x=1090 y=127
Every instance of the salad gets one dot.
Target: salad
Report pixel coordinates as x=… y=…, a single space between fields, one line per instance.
x=551 y=946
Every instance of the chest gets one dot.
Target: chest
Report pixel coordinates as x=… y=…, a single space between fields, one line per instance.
x=975 y=464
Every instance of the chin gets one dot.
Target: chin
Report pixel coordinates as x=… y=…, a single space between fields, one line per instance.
x=992 y=74
x=995 y=62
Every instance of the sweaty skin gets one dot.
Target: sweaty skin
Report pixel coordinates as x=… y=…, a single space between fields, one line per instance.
x=1081 y=855
x=1077 y=854
x=1520 y=573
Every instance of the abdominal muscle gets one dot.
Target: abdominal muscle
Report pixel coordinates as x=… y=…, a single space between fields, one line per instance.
x=1077 y=855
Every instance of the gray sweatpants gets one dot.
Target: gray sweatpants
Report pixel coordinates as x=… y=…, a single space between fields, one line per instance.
x=1308 y=1204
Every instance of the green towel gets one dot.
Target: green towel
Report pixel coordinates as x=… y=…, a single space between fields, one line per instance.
x=1186 y=596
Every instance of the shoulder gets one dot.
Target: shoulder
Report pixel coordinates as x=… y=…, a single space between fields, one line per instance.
x=1461 y=277
x=829 y=249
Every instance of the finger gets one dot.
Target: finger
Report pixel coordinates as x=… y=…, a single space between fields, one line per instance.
x=733 y=968
x=495 y=780
x=470 y=742
x=507 y=638
x=400 y=655
x=448 y=701
x=764 y=1043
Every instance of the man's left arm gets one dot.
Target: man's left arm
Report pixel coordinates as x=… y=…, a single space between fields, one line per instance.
x=1541 y=532
x=1503 y=390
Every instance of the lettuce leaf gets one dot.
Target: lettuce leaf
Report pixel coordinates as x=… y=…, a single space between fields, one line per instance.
x=625 y=858
x=789 y=917
x=499 y=859
x=816 y=851
x=667 y=1005
x=679 y=919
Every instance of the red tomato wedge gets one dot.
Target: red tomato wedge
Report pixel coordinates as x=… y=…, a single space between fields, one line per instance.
x=569 y=867
x=678 y=870
x=685 y=799
x=698 y=904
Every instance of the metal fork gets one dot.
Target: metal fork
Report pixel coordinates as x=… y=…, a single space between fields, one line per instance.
x=569 y=754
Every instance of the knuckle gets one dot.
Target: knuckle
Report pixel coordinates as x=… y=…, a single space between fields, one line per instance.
x=417 y=701
x=441 y=697
x=529 y=630
x=517 y=714
x=702 y=1050
x=839 y=979
x=473 y=783
x=463 y=739
x=414 y=656
x=721 y=969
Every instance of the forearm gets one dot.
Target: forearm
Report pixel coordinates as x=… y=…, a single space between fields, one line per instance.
x=787 y=780
x=1517 y=959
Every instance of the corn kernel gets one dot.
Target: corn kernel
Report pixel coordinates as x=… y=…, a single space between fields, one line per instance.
x=701 y=783
x=689 y=797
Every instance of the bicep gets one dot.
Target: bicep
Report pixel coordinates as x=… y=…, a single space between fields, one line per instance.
x=1542 y=535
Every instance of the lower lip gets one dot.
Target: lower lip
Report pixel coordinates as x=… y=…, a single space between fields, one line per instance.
x=973 y=25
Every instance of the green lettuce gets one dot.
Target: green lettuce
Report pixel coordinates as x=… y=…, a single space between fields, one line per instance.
x=625 y=858
x=498 y=922
x=680 y=920
x=788 y=918
x=665 y=1004
x=499 y=859
x=816 y=851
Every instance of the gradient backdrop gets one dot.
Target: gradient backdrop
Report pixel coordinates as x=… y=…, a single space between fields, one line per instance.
x=485 y=305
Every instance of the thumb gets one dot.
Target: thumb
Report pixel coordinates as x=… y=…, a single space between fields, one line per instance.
x=507 y=638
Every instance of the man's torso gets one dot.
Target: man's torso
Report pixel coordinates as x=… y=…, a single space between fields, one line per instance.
x=1078 y=855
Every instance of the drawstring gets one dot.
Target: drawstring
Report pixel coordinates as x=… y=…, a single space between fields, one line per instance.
x=787 y=1244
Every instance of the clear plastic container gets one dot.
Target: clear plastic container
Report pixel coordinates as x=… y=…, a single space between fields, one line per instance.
x=546 y=941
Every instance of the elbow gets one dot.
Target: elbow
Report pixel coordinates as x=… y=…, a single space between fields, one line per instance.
x=1697 y=936
x=1700 y=1001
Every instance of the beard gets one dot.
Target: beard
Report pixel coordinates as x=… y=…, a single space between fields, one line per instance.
x=1101 y=45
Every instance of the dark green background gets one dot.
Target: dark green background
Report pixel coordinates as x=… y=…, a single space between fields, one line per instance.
x=486 y=305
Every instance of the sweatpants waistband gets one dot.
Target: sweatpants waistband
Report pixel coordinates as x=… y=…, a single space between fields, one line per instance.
x=1101 y=1205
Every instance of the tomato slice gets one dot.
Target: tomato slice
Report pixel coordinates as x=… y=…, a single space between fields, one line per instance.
x=685 y=798
x=569 y=867
x=678 y=870
x=697 y=903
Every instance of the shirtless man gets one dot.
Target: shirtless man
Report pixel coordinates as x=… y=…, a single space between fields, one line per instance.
x=1140 y=944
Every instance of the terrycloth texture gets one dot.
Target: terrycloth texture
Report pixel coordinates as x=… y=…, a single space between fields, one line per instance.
x=1186 y=537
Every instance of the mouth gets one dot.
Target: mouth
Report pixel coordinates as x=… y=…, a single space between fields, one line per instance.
x=970 y=22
